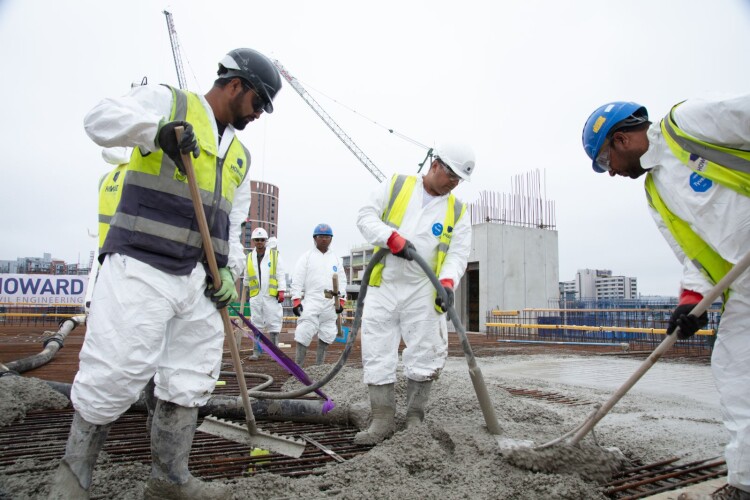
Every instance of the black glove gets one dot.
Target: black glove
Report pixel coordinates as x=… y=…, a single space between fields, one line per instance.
x=339 y=308
x=688 y=323
x=167 y=141
x=297 y=309
x=450 y=298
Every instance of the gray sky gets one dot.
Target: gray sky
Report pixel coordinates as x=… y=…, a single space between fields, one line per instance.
x=517 y=79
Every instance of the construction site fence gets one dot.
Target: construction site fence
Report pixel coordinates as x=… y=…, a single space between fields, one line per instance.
x=629 y=328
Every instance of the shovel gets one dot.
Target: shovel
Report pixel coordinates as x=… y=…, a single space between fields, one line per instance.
x=339 y=333
x=229 y=430
x=580 y=432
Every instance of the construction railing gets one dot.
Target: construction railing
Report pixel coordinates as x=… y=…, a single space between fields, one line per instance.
x=21 y=313
x=628 y=328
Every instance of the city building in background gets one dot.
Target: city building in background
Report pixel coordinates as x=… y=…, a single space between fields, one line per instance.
x=264 y=211
x=45 y=265
x=599 y=284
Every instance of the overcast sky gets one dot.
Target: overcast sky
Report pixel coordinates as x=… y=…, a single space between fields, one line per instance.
x=517 y=79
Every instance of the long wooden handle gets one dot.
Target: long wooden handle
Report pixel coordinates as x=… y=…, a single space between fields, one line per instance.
x=213 y=267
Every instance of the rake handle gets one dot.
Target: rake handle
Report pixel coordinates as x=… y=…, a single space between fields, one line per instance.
x=668 y=342
x=213 y=268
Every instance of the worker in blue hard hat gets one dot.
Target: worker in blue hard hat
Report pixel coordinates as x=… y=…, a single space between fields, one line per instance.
x=312 y=303
x=153 y=313
x=697 y=166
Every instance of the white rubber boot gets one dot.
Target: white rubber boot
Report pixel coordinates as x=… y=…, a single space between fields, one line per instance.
x=320 y=354
x=171 y=439
x=301 y=353
x=73 y=476
x=383 y=406
x=417 y=394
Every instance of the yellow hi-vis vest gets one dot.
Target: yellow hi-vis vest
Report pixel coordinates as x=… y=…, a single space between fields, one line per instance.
x=155 y=221
x=110 y=189
x=726 y=166
x=253 y=283
x=402 y=187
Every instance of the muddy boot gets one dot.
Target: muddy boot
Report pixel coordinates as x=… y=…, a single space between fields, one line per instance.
x=275 y=338
x=417 y=394
x=73 y=476
x=301 y=353
x=383 y=406
x=320 y=354
x=150 y=399
x=171 y=440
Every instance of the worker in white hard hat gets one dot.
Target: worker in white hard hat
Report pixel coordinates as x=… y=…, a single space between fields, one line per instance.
x=411 y=214
x=697 y=170
x=265 y=280
x=153 y=312
x=312 y=303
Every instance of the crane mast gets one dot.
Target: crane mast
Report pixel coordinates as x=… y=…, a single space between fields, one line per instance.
x=348 y=142
x=175 y=51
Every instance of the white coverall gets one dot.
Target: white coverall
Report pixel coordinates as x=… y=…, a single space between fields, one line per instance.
x=721 y=217
x=266 y=311
x=403 y=306
x=142 y=320
x=313 y=274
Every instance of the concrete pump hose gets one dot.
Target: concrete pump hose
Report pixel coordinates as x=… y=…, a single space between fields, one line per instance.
x=349 y=343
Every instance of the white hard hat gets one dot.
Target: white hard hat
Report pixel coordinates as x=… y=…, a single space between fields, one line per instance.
x=259 y=232
x=458 y=156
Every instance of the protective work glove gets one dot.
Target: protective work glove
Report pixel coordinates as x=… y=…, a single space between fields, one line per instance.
x=340 y=307
x=688 y=323
x=450 y=296
x=226 y=293
x=167 y=141
x=297 y=307
x=400 y=246
x=280 y=296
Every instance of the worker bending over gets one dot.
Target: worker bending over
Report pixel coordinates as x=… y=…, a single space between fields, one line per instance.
x=696 y=162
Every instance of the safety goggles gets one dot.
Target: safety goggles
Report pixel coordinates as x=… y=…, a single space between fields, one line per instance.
x=259 y=239
x=451 y=174
x=259 y=104
x=602 y=159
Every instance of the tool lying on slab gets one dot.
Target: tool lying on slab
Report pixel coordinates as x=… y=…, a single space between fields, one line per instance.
x=252 y=435
x=580 y=432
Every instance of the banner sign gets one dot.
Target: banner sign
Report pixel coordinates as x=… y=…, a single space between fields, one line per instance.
x=43 y=289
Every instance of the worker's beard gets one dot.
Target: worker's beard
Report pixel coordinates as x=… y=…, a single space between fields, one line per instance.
x=239 y=121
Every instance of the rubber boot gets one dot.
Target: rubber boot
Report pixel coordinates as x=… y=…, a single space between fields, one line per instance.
x=275 y=338
x=150 y=398
x=320 y=354
x=73 y=476
x=301 y=353
x=417 y=394
x=171 y=439
x=383 y=406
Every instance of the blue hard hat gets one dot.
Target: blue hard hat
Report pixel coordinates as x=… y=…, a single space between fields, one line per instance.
x=605 y=121
x=323 y=229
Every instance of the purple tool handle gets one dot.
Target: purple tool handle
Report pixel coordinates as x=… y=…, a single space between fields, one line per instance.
x=284 y=360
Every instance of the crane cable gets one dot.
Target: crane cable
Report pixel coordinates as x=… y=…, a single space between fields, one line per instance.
x=390 y=130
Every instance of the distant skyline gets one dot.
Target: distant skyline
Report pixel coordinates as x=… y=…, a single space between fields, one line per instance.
x=515 y=79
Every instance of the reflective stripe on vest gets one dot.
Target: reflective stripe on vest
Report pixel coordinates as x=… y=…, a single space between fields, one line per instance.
x=705 y=258
x=401 y=190
x=155 y=221
x=110 y=189
x=253 y=284
x=726 y=166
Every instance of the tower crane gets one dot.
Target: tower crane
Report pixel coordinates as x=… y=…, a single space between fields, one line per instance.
x=175 y=50
x=348 y=142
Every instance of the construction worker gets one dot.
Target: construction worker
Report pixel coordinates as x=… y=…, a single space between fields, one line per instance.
x=312 y=302
x=266 y=282
x=412 y=214
x=153 y=312
x=696 y=166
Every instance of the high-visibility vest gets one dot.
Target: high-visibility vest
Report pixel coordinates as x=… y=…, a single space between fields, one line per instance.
x=401 y=190
x=155 y=221
x=253 y=283
x=726 y=166
x=110 y=189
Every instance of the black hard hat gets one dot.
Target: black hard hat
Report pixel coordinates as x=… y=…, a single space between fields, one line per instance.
x=256 y=69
